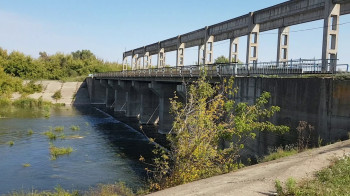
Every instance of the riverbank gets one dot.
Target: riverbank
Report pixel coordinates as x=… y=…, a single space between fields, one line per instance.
x=69 y=92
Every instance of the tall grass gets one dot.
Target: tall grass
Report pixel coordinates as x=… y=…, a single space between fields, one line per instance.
x=280 y=152
x=55 y=152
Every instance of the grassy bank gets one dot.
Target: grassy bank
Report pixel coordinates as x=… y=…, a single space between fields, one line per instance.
x=117 y=189
x=334 y=180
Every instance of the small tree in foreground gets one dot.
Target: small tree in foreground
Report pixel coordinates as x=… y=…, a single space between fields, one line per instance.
x=201 y=125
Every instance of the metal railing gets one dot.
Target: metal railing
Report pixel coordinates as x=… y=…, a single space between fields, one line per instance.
x=292 y=67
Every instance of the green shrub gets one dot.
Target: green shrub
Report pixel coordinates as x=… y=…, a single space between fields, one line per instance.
x=59 y=128
x=50 y=135
x=280 y=153
x=57 y=95
x=334 y=180
x=55 y=152
x=200 y=127
x=75 y=128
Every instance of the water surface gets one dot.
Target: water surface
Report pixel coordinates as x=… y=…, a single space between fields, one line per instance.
x=105 y=150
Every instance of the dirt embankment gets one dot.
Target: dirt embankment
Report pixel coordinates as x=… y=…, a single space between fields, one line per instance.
x=259 y=179
x=69 y=91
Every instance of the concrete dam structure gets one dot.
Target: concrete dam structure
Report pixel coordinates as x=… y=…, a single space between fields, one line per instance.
x=143 y=90
x=322 y=102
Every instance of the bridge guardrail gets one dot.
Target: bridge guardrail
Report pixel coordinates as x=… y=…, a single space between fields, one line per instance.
x=292 y=67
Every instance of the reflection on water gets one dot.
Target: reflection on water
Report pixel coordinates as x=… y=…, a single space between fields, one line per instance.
x=105 y=150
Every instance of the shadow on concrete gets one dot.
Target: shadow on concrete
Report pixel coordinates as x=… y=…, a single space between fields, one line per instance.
x=82 y=95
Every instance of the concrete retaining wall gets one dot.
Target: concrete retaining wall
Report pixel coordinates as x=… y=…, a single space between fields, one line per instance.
x=322 y=102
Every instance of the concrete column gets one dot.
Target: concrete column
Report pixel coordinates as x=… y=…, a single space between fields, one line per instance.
x=133 y=61
x=180 y=53
x=165 y=91
x=330 y=36
x=110 y=96
x=120 y=96
x=282 y=45
x=233 y=56
x=149 y=103
x=201 y=59
x=208 y=48
x=252 y=42
x=147 y=61
x=161 y=58
x=132 y=105
x=125 y=63
x=97 y=92
x=138 y=61
x=109 y=93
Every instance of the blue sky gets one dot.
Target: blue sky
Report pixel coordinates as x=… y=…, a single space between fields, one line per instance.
x=109 y=27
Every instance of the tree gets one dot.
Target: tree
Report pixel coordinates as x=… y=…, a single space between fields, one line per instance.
x=201 y=125
x=221 y=59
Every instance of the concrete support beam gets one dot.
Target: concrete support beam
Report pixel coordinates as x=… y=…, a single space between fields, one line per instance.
x=201 y=59
x=109 y=93
x=233 y=56
x=120 y=96
x=165 y=91
x=98 y=92
x=138 y=62
x=208 y=48
x=282 y=45
x=149 y=103
x=180 y=53
x=161 y=58
x=252 y=42
x=125 y=62
x=110 y=96
x=132 y=104
x=330 y=36
x=146 y=61
x=133 y=61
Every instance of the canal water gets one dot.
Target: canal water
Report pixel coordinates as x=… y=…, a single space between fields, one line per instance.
x=105 y=150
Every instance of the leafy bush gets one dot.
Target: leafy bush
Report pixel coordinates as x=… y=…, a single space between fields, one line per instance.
x=57 y=95
x=54 y=67
x=202 y=125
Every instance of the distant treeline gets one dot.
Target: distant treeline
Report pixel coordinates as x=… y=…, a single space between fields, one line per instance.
x=54 y=67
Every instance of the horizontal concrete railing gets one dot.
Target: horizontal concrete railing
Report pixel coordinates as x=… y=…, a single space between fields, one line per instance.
x=281 y=15
x=301 y=66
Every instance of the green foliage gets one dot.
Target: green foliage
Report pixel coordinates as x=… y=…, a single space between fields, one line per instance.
x=26 y=102
x=5 y=101
x=57 y=95
x=59 y=128
x=280 y=153
x=223 y=60
x=54 y=67
x=11 y=143
x=111 y=189
x=75 y=128
x=8 y=84
x=57 y=192
x=50 y=135
x=31 y=88
x=30 y=132
x=26 y=165
x=202 y=125
x=117 y=189
x=55 y=152
x=334 y=180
